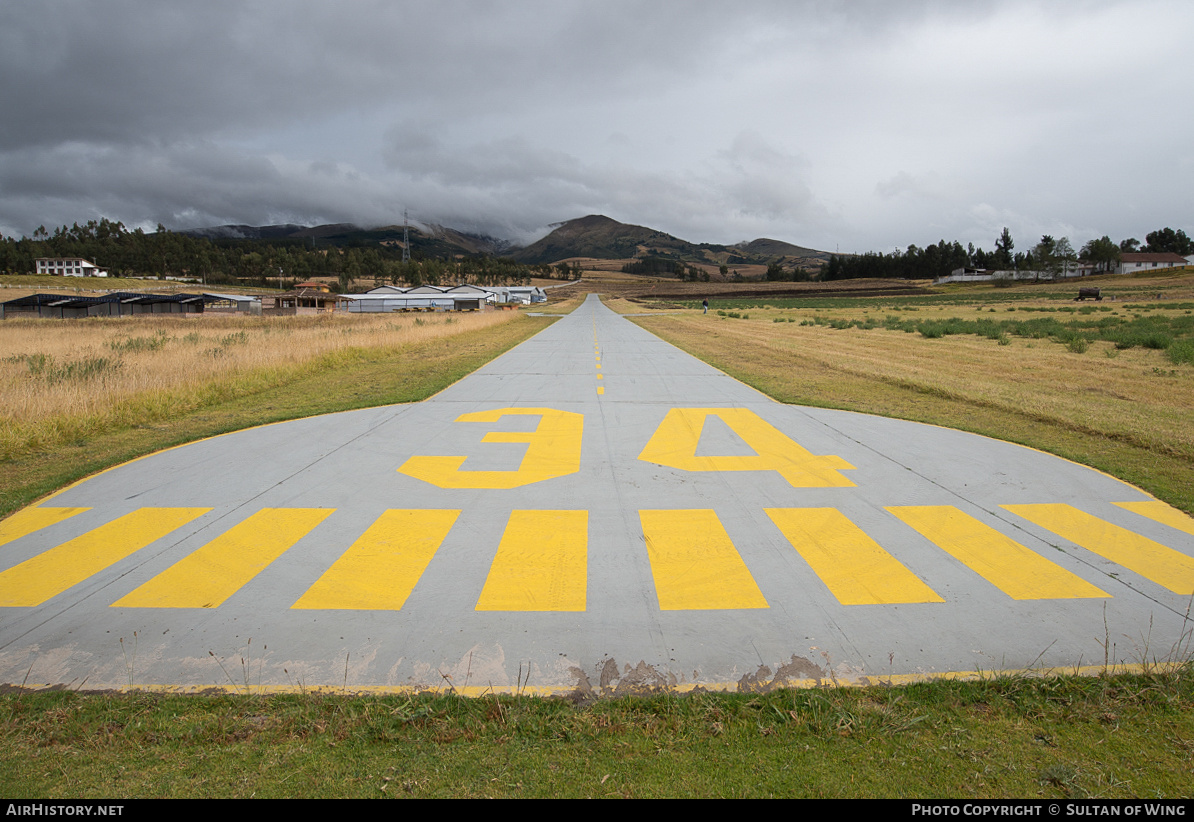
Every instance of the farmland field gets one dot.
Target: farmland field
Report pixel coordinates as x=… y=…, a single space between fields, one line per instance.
x=1109 y=384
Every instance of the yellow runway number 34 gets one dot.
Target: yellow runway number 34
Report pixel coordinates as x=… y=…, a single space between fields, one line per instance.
x=554 y=448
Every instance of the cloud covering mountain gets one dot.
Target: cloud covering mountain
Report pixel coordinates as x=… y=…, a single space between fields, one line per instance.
x=859 y=125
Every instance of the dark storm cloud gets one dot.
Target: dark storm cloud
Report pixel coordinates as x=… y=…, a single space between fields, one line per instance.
x=863 y=124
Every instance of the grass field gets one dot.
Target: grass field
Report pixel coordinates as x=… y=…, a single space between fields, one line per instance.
x=1111 y=736
x=79 y=396
x=1109 y=384
x=1012 y=737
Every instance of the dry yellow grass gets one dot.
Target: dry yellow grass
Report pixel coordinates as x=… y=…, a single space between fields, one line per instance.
x=63 y=381
x=1122 y=398
x=1089 y=406
x=557 y=308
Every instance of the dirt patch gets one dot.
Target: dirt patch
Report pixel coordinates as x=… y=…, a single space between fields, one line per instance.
x=626 y=680
x=794 y=673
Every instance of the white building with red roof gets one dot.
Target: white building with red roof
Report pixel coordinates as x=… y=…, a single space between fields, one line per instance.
x=1132 y=262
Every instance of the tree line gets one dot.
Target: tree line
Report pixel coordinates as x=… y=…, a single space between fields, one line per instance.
x=662 y=266
x=1050 y=256
x=278 y=262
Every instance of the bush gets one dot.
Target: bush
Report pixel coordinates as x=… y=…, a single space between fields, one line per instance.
x=1181 y=352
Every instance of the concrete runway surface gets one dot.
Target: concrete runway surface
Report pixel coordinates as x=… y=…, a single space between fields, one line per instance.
x=594 y=511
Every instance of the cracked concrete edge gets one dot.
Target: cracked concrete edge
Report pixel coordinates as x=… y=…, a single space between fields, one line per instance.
x=635 y=681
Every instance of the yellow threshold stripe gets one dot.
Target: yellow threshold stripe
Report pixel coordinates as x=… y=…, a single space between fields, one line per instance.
x=695 y=565
x=1009 y=566
x=1151 y=560
x=34 y=519
x=853 y=566
x=541 y=563
x=207 y=577
x=380 y=570
x=1161 y=512
x=50 y=573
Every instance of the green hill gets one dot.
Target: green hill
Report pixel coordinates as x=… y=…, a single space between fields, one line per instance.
x=600 y=237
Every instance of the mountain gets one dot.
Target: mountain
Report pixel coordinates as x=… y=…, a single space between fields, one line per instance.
x=427 y=241
x=600 y=237
x=763 y=247
x=245 y=232
x=595 y=236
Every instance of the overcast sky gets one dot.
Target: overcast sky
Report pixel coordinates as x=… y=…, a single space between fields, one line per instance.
x=852 y=126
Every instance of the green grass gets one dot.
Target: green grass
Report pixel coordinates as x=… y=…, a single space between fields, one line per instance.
x=43 y=366
x=1067 y=737
x=1155 y=332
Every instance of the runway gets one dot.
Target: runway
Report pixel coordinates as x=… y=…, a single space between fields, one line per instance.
x=594 y=511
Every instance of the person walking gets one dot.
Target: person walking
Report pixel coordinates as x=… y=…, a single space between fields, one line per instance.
x=705 y=304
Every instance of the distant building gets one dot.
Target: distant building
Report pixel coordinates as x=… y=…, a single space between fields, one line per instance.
x=110 y=304
x=231 y=304
x=525 y=294
x=422 y=298
x=69 y=267
x=306 y=298
x=442 y=298
x=1132 y=262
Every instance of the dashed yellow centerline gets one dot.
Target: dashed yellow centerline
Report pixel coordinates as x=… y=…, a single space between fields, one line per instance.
x=694 y=563
x=50 y=573
x=1156 y=562
x=853 y=566
x=541 y=563
x=207 y=577
x=1009 y=566
x=597 y=352
x=380 y=570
